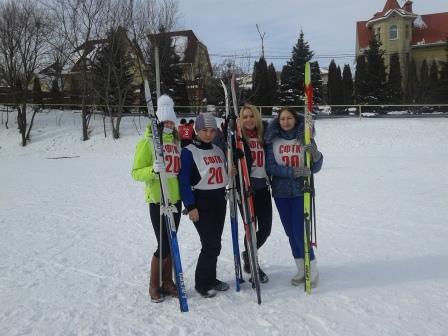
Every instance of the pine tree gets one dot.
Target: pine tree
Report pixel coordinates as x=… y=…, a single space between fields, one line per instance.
x=112 y=77
x=171 y=81
x=412 y=84
x=316 y=80
x=340 y=89
x=376 y=73
x=347 y=85
x=272 y=86
x=433 y=84
x=394 y=89
x=293 y=73
x=442 y=90
x=37 y=92
x=361 y=88
x=423 y=88
x=332 y=83
x=55 y=92
x=260 y=84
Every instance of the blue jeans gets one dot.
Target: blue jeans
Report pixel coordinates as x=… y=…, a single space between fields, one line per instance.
x=291 y=215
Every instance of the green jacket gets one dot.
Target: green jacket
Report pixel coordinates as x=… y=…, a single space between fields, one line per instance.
x=142 y=169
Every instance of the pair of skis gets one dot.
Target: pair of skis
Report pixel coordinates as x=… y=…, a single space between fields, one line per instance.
x=166 y=209
x=235 y=150
x=309 y=212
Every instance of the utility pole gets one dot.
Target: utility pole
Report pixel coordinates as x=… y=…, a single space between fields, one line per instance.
x=262 y=40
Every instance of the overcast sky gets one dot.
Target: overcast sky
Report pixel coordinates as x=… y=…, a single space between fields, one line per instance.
x=227 y=27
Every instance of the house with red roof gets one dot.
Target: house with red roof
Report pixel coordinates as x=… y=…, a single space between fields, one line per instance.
x=408 y=34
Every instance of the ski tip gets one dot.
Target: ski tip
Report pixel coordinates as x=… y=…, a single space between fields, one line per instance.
x=307 y=73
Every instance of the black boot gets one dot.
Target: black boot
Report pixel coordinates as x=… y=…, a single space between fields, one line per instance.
x=246 y=264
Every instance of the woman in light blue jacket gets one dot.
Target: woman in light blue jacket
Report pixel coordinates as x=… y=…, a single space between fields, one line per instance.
x=285 y=164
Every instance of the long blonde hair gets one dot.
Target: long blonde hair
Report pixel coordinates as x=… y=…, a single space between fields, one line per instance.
x=258 y=122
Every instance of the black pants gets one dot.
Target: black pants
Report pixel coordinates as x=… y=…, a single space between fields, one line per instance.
x=212 y=213
x=263 y=214
x=154 y=212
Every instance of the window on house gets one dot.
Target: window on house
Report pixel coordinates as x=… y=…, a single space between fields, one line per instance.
x=407 y=31
x=378 y=34
x=393 y=32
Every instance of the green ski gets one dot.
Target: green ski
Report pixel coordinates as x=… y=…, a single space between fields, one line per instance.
x=307 y=190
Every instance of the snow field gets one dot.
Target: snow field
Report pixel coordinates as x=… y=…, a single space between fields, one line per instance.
x=76 y=239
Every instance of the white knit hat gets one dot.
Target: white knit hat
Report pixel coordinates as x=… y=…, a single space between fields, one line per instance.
x=165 y=109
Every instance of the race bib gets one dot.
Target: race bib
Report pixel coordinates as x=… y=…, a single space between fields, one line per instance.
x=288 y=153
x=258 y=159
x=211 y=167
x=171 y=156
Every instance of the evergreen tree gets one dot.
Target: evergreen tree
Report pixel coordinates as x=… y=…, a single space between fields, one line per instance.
x=112 y=77
x=272 y=86
x=171 y=81
x=347 y=85
x=412 y=84
x=316 y=80
x=55 y=92
x=332 y=83
x=442 y=89
x=361 y=88
x=394 y=89
x=339 y=87
x=423 y=88
x=433 y=86
x=37 y=92
x=111 y=67
x=260 y=84
x=293 y=73
x=264 y=86
x=335 y=88
x=376 y=73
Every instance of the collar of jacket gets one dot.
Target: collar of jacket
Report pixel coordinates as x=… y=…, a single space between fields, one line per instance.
x=166 y=137
x=274 y=131
x=252 y=133
x=202 y=145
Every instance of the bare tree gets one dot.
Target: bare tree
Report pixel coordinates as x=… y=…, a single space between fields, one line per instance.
x=79 y=21
x=23 y=29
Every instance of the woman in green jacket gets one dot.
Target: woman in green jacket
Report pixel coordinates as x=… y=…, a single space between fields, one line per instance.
x=146 y=169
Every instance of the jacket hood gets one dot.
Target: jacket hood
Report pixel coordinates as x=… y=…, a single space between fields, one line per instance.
x=148 y=130
x=274 y=131
x=165 y=136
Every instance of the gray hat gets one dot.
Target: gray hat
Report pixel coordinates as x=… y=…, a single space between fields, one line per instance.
x=205 y=120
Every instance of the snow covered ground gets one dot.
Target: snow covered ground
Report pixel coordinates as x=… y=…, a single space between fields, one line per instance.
x=76 y=239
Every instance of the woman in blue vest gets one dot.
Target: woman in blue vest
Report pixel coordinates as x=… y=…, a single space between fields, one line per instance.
x=285 y=164
x=202 y=180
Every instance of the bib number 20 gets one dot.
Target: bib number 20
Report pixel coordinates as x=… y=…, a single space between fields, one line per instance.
x=215 y=175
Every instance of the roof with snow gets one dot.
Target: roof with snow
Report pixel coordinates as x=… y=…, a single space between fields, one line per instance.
x=429 y=28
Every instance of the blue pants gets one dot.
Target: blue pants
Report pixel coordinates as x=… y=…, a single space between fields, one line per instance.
x=291 y=215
